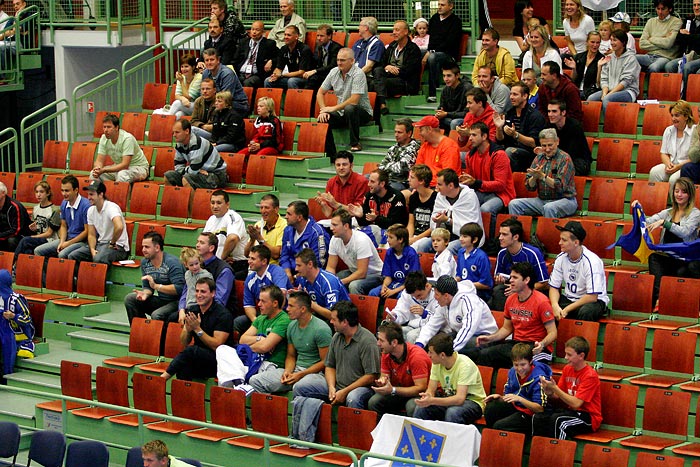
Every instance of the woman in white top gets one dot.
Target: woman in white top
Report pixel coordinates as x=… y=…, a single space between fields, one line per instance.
x=577 y=25
x=187 y=88
x=675 y=145
x=540 y=51
x=678 y=224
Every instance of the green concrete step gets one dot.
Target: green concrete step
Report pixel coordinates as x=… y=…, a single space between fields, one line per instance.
x=102 y=342
x=20 y=408
x=35 y=381
x=60 y=350
x=115 y=320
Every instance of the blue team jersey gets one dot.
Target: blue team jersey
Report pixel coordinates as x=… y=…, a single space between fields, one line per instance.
x=475 y=267
x=527 y=253
x=273 y=275
x=314 y=236
x=398 y=268
x=326 y=290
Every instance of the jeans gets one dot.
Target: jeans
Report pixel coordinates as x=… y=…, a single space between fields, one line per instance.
x=466 y=414
x=158 y=307
x=227 y=147
x=490 y=203
x=558 y=208
x=290 y=83
x=196 y=180
x=424 y=245
x=49 y=249
x=28 y=244
x=201 y=133
x=318 y=388
x=361 y=286
x=653 y=63
x=619 y=96
x=435 y=62
x=105 y=254
x=689 y=69
x=268 y=381
x=692 y=171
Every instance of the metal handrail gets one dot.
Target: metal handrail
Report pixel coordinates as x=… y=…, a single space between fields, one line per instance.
x=180 y=38
x=141 y=62
x=55 y=125
x=143 y=413
x=80 y=106
x=8 y=150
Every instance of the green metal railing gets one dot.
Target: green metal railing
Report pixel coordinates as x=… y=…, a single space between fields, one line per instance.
x=50 y=122
x=142 y=431
x=8 y=150
x=103 y=92
x=139 y=70
x=111 y=15
x=187 y=40
x=21 y=50
x=339 y=13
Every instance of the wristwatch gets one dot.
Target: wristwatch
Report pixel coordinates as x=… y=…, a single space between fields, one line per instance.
x=199 y=333
x=393 y=391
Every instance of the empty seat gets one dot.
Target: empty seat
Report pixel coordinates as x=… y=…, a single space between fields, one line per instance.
x=47 y=448
x=665 y=411
x=87 y=452
x=653 y=196
x=175 y=203
x=591 y=115
x=55 y=156
x=76 y=381
x=603 y=456
x=9 y=446
x=82 y=157
x=619 y=409
x=161 y=129
x=548 y=452
x=501 y=448
x=622 y=361
x=154 y=96
x=312 y=137
x=672 y=351
x=614 y=155
x=269 y=415
x=227 y=407
x=648 y=155
x=187 y=401
x=149 y=395
x=607 y=197
x=367 y=307
x=112 y=388
x=144 y=339
x=621 y=118
x=665 y=86
x=298 y=103
x=354 y=431
x=656 y=118
x=135 y=123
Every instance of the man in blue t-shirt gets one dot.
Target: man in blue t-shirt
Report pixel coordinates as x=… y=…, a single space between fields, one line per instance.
x=514 y=250
x=325 y=288
x=262 y=274
x=302 y=232
x=72 y=234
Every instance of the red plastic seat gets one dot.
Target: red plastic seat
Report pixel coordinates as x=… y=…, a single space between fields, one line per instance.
x=135 y=123
x=603 y=456
x=298 y=103
x=630 y=355
x=665 y=411
x=621 y=118
x=354 y=431
x=269 y=415
x=569 y=328
x=614 y=155
x=619 y=408
x=672 y=351
x=161 y=129
x=144 y=339
x=312 y=137
x=112 y=388
x=149 y=395
x=652 y=195
x=175 y=202
x=187 y=401
x=656 y=118
x=227 y=407
x=607 y=197
x=367 y=307
x=591 y=115
x=82 y=157
x=154 y=96
x=171 y=348
x=76 y=381
x=55 y=156
x=648 y=155
x=501 y=448
x=665 y=86
x=549 y=452
x=91 y=286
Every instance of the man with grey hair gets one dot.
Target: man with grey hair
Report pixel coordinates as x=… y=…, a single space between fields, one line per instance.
x=14 y=221
x=289 y=18
x=353 y=108
x=368 y=49
x=552 y=176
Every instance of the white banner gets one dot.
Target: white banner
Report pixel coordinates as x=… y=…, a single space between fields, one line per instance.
x=427 y=440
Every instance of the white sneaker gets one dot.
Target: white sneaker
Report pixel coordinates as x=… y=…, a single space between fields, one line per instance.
x=432 y=99
x=247 y=388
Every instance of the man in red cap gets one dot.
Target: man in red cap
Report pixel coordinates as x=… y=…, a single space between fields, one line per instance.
x=437 y=151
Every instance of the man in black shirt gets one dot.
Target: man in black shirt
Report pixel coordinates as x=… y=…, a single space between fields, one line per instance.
x=572 y=139
x=445 y=40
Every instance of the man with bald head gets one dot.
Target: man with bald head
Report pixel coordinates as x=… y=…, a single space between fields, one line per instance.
x=398 y=72
x=255 y=56
x=353 y=108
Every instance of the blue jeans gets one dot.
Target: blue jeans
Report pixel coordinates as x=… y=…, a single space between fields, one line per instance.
x=490 y=203
x=435 y=61
x=558 y=208
x=105 y=254
x=201 y=133
x=290 y=83
x=653 y=63
x=619 y=96
x=49 y=249
x=318 y=388
x=466 y=414
x=690 y=170
x=361 y=286
x=689 y=69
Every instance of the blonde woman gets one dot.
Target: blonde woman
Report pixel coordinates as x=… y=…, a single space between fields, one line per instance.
x=540 y=51
x=675 y=144
x=577 y=25
x=678 y=224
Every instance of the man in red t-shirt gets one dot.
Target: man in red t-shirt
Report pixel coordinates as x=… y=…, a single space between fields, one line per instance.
x=346 y=187
x=405 y=372
x=578 y=391
x=437 y=150
x=527 y=315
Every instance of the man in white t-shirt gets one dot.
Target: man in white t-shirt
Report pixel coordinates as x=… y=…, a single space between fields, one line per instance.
x=107 y=238
x=129 y=163
x=580 y=275
x=230 y=229
x=357 y=251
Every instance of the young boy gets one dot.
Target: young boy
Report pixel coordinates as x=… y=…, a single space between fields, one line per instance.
x=415 y=307
x=444 y=263
x=400 y=259
x=579 y=393
x=461 y=399
x=523 y=395
x=530 y=79
x=472 y=262
x=193 y=262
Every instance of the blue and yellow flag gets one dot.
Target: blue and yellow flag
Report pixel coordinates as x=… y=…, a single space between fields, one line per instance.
x=417 y=442
x=639 y=243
